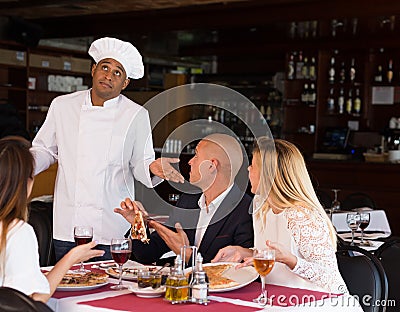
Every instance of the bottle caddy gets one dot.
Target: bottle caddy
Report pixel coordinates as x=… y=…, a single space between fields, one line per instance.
x=179 y=288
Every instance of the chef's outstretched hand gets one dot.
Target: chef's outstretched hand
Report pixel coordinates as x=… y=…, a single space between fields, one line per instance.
x=162 y=167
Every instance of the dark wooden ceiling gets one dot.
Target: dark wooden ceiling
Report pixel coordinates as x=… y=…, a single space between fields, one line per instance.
x=229 y=29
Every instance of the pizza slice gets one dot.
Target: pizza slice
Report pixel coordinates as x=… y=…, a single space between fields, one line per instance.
x=86 y=279
x=138 y=230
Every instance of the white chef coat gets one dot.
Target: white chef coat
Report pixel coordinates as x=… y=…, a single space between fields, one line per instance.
x=99 y=149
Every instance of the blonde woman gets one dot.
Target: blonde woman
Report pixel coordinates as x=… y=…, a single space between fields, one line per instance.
x=288 y=217
x=19 y=258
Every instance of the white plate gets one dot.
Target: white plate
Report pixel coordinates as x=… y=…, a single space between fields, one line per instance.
x=79 y=288
x=147 y=292
x=249 y=273
x=130 y=273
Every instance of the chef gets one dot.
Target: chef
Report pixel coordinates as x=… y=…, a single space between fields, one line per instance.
x=101 y=141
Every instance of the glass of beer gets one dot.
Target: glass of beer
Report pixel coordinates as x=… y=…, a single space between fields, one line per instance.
x=264 y=260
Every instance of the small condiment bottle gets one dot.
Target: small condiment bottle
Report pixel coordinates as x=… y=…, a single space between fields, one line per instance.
x=177 y=287
x=199 y=284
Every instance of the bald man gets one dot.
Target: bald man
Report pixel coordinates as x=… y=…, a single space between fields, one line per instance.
x=215 y=218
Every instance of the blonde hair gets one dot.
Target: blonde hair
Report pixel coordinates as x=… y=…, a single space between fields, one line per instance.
x=284 y=179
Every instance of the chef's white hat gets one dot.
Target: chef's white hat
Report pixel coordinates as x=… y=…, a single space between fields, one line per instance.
x=121 y=51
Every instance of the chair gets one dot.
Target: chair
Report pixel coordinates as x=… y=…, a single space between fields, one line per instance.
x=357 y=200
x=364 y=276
x=324 y=198
x=41 y=219
x=389 y=255
x=12 y=300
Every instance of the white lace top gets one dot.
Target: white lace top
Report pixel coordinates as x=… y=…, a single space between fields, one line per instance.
x=307 y=237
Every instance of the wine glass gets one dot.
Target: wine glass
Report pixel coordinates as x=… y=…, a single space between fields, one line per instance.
x=364 y=222
x=353 y=221
x=121 y=249
x=335 y=203
x=264 y=260
x=83 y=234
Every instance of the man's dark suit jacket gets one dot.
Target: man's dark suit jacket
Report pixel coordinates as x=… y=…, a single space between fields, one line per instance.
x=231 y=225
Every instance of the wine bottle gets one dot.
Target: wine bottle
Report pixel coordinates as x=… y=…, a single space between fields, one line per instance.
x=342 y=73
x=304 y=94
x=341 y=101
x=352 y=71
x=331 y=102
x=349 y=103
x=299 y=66
x=305 y=69
x=312 y=70
x=357 y=103
x=312 y=96
x=331 y=72
x=290 y=70
x=389 y=74
x=379 y=74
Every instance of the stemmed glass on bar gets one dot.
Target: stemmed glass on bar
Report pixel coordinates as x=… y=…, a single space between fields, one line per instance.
x=364 y=222
x=353 y=221
x=83 y=234
x=264 y=260
x=121 y=249
x=335 y=206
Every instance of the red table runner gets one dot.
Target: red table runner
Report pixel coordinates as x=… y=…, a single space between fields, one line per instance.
x=280 y=295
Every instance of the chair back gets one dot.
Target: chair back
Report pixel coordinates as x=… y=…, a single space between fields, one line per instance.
x=389 y=255
x=357 y=200
x=364 y=277
x=40 y=218
x=12 y=300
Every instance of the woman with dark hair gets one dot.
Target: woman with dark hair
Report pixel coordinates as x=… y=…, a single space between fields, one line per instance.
x=19 y=258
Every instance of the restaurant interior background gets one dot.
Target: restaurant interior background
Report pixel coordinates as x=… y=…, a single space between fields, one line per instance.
x=312 y=67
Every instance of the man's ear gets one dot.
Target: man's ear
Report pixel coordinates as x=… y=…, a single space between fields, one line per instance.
x=126 y=83
x=93 y=68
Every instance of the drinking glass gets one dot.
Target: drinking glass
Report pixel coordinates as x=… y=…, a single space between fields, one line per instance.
x=83 y=234
x=364 y=222
x=335 y=203
x=264 y=260
x=353 y=221
x=121 y=249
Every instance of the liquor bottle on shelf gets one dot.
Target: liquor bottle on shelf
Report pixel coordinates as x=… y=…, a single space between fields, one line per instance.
x=379 y=74
x=299 y=66
x=305 y=69
x=290 y=70
x=331 y=72
x=341 y=101
x=352 y=70
x=389 y=73
x=357 y=103
x=331 y=102
x=312 y=96
x=312 y=73
x=349 y=103
x=354 y=24
x=305 y=94
x=342 y=73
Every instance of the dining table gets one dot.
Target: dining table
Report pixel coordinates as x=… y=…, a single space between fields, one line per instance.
x=377 y=230
x=280 y=298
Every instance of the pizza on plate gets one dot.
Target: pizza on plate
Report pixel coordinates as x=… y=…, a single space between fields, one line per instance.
x=215 y=278
x=86 y=279
x=138 y=230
